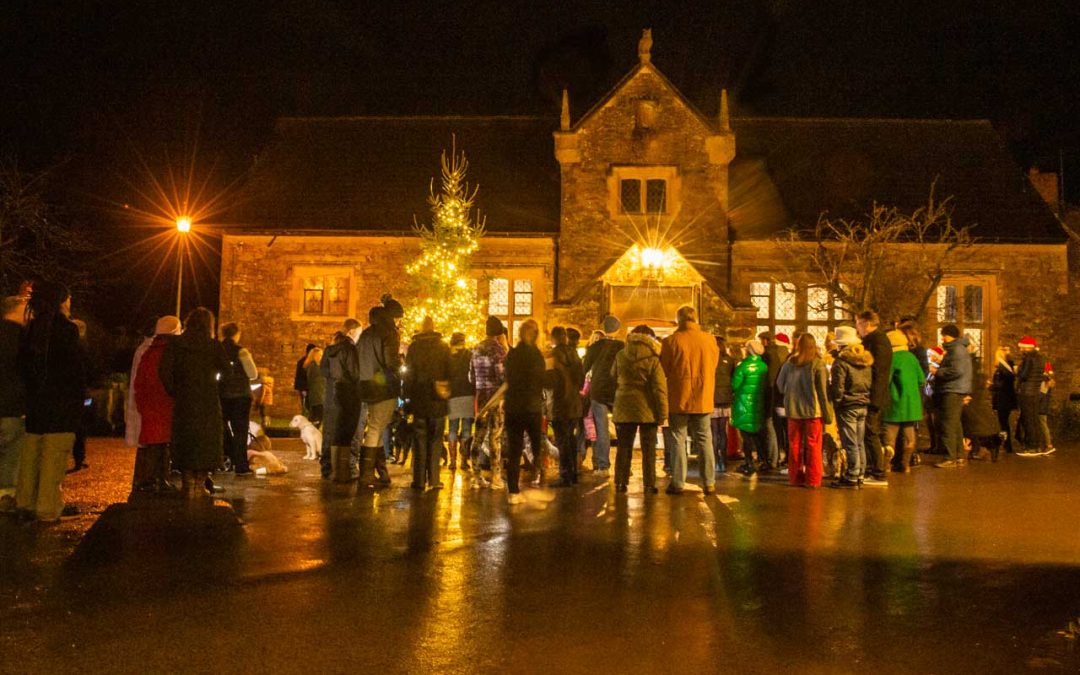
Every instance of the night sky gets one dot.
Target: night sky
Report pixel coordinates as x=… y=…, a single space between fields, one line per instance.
x=108 y=93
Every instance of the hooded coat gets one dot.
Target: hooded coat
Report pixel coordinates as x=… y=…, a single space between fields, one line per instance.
x=806 y=390
x=775 y=356
x=689 y=357
x=427 y=376
x=851 y=378
x=955 y=373
x=599 y=358
x=1031 y=374
x=641 y=394
x=725 y=366
x=749 y=383
x=525 y=380
x=905 y=389
x=153 y=403
x=379 y=350
x=189 y=371
x=977 y=416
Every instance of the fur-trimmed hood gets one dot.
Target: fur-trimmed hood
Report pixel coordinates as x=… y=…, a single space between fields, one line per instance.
x=857 y=355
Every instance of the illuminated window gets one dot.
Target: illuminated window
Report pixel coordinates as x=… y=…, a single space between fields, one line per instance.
x=643 y=190
x=499 y=297
x=964 y=303
x=790 y=308
x=325 y=294
x=511 y=300
x=523 y=297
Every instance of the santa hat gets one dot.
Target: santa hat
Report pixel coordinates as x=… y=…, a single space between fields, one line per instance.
x=783 y=339
x=1028 y=342
x=937 y=350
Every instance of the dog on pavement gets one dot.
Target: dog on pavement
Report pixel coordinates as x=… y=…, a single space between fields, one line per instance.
x=309 y=434
x=259 y=455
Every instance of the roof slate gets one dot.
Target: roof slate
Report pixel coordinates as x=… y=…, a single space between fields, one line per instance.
x=372 y=174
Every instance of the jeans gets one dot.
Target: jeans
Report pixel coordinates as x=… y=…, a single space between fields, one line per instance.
x=566 y=442
x=852 y=427
x=425 y=467
x=952 y=429
x=719 y=437
x=237 y=414
x=753 y=441
x=41 y=470
x=1006 y=427
x=624 y=434
x=805 y=465
x=601 y=447
x=12 y=431
x=517 y=426
x=875 y=444
x=697 y=425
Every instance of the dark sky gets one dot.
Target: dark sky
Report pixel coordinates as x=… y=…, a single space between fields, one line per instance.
x=96 y=87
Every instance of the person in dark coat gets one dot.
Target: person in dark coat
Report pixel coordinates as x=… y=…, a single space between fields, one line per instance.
x=462 y=402
x=523 y=404
x=567 y=409
x=236 y=379
x=722 y=398
x=877 y=343
x=427 y=390
x=12 y=398
x=155 y=408
x=316 y=393
x=300 y=379
x=1003 y=393
x=952 y=385
x=53 y=367
x=189 y=370
x=351 y=330
x=1031 y=382
x=777 y=352
x=849 y=388
x=341 y=366
x=599 y=358
x=980 y=424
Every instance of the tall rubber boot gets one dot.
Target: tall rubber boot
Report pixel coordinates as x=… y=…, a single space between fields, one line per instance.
x=340 y=468
x=367 y=465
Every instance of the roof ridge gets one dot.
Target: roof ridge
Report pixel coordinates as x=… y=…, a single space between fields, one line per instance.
x=874 y=120
x=411 y=118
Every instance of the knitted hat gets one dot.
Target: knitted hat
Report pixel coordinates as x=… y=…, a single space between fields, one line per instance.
x=167 y=325
x=783 y=339
x=1028 y=342
x=393 y=307
x=898 y=340
x=493 y=327
x=755 y=347
x=611 y=324
x=845 y=335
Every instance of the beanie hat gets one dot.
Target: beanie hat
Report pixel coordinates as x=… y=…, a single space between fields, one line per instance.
x=493 y=327
x=845 y=335
x=167 y=325
x=611 y=324
x=1028 y=342
x=898 y=340
x=782 y=338
x=393 y=307
x=755 y=347
x=457 y=339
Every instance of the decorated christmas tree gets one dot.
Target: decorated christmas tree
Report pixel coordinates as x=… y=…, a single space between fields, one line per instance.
x=443 y=287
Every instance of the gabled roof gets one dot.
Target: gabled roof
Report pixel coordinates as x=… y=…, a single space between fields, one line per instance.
x=789 y=170
x=638 y=69
x=373 y=173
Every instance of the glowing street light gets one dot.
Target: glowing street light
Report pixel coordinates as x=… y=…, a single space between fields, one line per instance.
x=183 y=226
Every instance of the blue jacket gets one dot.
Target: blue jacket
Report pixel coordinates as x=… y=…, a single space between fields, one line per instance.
x=954 y=375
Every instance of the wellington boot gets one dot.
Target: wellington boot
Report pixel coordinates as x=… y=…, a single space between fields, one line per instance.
x=380 y=468
x=367 y=465
x=905 y=461
x=453 y=455
x=340 y=459
x=466 y=453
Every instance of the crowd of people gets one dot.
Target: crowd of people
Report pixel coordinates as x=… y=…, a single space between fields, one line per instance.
x=851 y=408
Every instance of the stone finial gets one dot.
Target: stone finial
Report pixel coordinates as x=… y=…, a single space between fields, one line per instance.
x=725 y=118
x=564 y=118
x=644 y=47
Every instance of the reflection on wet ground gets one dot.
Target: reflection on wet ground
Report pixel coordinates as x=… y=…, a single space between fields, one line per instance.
x=972 y=570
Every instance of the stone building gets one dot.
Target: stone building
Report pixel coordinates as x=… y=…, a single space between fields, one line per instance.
x=639 y=205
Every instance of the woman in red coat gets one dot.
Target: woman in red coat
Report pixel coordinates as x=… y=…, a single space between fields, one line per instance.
x=155 y=407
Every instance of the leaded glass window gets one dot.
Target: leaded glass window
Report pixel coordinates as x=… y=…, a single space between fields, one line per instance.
x=523 y=297
x=630 y=195
x=499 y=297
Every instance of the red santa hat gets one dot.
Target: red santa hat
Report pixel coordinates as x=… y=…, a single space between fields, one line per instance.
x=937 y=350
x=783 y=339
x=1028 y=342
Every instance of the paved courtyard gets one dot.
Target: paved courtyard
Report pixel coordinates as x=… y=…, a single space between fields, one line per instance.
x=973 y=570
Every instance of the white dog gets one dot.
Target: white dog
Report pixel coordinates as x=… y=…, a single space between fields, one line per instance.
x=309 y=434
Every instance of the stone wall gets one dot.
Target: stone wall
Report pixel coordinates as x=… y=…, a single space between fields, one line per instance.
x=258 y=289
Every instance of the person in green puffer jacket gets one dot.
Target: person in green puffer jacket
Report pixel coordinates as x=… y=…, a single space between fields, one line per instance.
x=905 y=392
x=749 y=383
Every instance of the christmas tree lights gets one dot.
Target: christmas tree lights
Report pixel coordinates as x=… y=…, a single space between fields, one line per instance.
x=443 y=286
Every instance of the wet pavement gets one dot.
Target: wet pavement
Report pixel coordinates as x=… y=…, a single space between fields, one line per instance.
x=971 y=570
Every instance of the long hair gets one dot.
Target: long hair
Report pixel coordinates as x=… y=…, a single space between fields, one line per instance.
x=41 y=311
x=315 y=355
x=805 y=350
x=200 y=323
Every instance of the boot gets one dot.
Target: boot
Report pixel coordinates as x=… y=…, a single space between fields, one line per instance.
x=194 y=485
x=340 y=468
x=380 y=466
x=453 y=455
x=905 y=463
x=367 y=465
x=466 y=452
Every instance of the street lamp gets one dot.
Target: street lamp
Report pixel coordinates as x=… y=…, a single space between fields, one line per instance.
x=183 y=226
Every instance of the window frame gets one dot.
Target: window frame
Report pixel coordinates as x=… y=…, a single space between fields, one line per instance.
x=300 y=292
x=643 y=174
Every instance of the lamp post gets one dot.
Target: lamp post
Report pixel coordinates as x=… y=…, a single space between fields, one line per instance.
x=183 y=226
